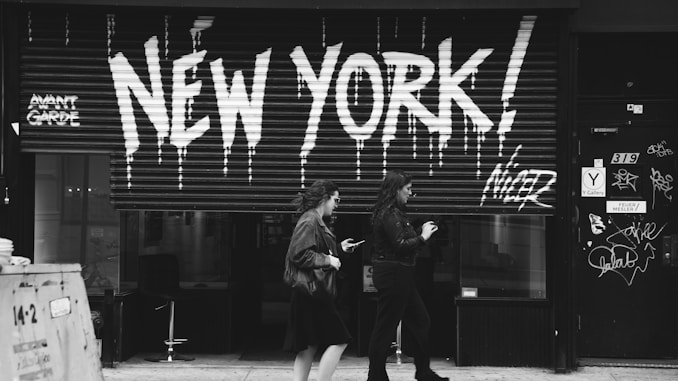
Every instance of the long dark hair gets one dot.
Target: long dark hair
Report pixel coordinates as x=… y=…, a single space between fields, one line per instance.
x=320 y=191
x=387 y=196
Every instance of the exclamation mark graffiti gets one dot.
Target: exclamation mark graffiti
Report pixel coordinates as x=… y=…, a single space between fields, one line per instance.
x=512 y=72
x=324 y=31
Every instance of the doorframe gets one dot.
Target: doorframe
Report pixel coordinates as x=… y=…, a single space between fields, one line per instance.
x=561 y=282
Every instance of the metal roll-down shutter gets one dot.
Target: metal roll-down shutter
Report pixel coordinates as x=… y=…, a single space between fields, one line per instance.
x=240 y=109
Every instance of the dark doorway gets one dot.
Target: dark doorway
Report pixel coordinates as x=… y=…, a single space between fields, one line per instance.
x=628 y=164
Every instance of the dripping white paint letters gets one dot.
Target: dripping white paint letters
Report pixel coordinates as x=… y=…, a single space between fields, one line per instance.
x=237 y=101
x=319 y=87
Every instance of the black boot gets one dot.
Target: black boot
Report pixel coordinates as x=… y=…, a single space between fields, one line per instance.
x=373 y=375
x=430 y=376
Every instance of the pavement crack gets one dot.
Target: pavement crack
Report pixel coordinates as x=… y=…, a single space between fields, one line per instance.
x=248 y=374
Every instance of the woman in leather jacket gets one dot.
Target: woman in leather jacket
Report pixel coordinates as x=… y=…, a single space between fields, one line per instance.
x=394 y=252
x=314 y=321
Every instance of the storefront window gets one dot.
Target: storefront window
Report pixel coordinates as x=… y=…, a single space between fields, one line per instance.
x=201 y=241
x=74 y=219
x=503 y=256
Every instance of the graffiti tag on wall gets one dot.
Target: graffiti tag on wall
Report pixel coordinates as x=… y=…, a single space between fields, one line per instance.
x=660 y=149
x=661 y=183
x=59 y=110
x=626 y=251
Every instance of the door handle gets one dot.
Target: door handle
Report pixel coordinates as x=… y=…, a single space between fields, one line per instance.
x=670 y=250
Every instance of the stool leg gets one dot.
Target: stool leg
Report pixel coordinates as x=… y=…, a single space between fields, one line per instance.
x=170 y=341
x=170 y=356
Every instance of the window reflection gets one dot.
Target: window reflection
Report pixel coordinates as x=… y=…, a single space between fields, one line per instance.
x=504 y=256
x=74 y=220
x=200 y=240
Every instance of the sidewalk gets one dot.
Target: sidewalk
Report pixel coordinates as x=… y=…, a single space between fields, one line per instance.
x=230 y=368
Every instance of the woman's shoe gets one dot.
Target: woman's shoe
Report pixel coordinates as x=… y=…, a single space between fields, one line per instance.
x=430 y=376
x=377 y=376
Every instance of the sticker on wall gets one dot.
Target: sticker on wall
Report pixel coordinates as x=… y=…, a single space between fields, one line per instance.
x=626 y=207
x=597 y=224
x=592 y=182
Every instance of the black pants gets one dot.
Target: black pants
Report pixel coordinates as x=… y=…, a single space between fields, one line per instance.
x=398 y=299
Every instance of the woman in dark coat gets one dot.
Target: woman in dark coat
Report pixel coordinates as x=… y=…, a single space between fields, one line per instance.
x=314 y=321
x=393 y=255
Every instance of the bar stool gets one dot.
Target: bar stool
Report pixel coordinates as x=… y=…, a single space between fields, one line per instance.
x=159 y=278
x=399 y=357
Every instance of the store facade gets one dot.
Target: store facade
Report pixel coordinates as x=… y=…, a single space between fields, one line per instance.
x=147 y=130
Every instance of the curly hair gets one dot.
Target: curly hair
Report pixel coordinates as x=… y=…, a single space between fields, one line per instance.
x=320 y=191
x=387 y=196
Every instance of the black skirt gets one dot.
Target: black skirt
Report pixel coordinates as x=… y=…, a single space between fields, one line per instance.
x=314 y=321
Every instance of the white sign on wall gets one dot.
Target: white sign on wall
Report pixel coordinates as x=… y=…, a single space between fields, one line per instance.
x=368 y=283
x=626 y=207
x=593 y=182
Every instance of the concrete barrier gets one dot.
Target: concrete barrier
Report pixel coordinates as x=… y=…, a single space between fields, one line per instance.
x=46 y=329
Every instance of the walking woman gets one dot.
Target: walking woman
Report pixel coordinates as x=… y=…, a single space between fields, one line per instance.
x=393 y=255
x=311 y=265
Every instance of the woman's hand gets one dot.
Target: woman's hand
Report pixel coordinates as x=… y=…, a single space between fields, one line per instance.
x=335 y=263
x=349 y=244
x=428 y=229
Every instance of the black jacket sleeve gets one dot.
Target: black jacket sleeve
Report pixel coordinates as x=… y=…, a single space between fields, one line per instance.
x=400 y=234
x=303 y=250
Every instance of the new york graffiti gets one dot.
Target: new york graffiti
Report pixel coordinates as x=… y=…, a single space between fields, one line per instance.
x=392 y=81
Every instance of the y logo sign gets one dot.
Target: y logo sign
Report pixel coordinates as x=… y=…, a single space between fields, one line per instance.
x=593 y=182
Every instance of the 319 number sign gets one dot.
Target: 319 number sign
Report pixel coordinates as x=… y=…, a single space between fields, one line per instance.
x=625 y=158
